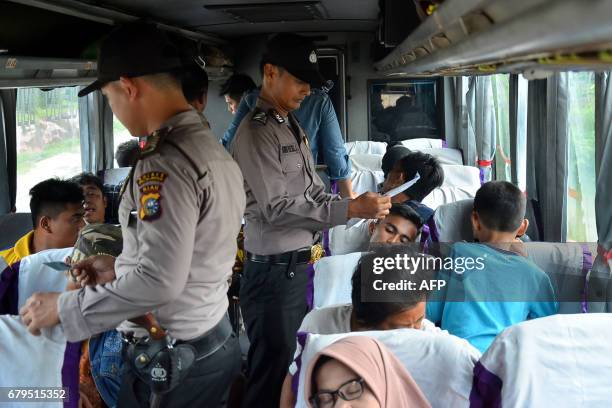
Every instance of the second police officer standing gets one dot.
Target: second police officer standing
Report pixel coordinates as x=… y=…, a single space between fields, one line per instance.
x=180 y=214
x=287 y=208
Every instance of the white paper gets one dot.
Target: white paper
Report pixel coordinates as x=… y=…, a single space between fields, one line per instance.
x=355 y=222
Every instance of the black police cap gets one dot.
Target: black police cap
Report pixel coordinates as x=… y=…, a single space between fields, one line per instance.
x=132 y=50
x=297 y=55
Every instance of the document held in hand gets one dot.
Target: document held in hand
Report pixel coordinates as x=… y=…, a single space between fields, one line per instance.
x=355 y=222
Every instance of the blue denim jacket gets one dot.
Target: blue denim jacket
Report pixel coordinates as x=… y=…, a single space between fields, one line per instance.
x=318 y=119
x=107 y=364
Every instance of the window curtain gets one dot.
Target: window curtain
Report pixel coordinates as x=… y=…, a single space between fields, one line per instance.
x=547 y=131
x=599 y=287
x=450 y=114
x=8 y=150
x=482 y=125
x=465 y=135
x=96 y=129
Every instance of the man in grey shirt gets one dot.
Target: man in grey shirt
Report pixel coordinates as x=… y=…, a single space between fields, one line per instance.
x=286 y=209
x=184 y=187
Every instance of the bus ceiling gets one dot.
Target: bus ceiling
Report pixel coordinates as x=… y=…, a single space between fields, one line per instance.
x=410 y=38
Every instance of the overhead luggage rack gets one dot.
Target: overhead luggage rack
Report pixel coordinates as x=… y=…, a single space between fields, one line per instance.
x=481 y=37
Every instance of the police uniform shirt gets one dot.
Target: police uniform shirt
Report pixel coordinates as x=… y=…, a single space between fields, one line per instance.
x=286 y=200
x=180 y=215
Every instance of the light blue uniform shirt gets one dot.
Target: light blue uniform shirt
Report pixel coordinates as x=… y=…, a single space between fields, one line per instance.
x=318 y=119
x=479 y=304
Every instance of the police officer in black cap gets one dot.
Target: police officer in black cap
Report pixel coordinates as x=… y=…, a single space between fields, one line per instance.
x=287 y=208
x=172 y=268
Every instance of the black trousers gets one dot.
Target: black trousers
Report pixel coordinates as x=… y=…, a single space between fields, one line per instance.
x=273 y=306
x=207 y=384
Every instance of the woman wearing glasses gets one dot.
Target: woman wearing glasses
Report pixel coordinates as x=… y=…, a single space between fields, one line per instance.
x=360 y=372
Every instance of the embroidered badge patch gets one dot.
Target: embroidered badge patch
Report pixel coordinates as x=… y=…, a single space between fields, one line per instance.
x=152 y=176
x=289 y=148
x=150 y=203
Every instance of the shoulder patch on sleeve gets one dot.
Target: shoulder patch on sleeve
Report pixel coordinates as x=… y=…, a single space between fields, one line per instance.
x=150 y=202
x=260 y=116
x=152 y=176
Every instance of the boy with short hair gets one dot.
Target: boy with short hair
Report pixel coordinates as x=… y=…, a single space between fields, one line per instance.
x=57 y=217
x=405 y=169
x=502 y=287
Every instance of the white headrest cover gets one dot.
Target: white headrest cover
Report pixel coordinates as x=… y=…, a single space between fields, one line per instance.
x=441 y=364
x=555 y=361
x=36 y=277
x=366 y=180
x=27 y=360
x=344 y=240
x=365 y=148
x=446 y=156
x=366 y=162
x=422 y=143
x=332 y=279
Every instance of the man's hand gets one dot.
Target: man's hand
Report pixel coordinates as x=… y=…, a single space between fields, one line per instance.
x=40 y=311
x=370 y=206
x=95 y=270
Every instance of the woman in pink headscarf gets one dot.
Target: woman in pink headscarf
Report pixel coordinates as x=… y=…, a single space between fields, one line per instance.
x=364 y=372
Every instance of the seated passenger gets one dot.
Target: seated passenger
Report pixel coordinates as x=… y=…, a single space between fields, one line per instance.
x=363 y=371
x=405 y=312
x=57 y=216
x=234 y=89
x=194 y=82
x=127 y=153
x=503 y=288
x=405 y=169
x=401 y=225
x=392 y=156
x=95 y=200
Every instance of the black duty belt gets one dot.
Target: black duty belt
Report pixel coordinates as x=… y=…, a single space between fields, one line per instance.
x=300 y=256
x=211 y=341
x=162 y=363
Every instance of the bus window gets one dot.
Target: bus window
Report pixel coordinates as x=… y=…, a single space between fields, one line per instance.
x=403 y=109
x=581 y=158
x=48 y=141
x=501 y=103
x=120 y=135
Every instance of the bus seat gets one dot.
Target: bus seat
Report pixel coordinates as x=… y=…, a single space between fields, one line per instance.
x=365 y=147
x=13 y=227
x=458 y=175
x=556 y=361
x=566 y=264
x=423 y=143
x=29 y=276
x=332 y=279
x=441 y=364
x=445 y=195
x=113 y=180
x=344 y=240
x=445 y=155
x=452 y=221
x=42 y=361
x=366 y=162
x=366 y=180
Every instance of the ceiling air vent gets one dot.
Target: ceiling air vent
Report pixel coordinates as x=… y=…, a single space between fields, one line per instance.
x=272 y=12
